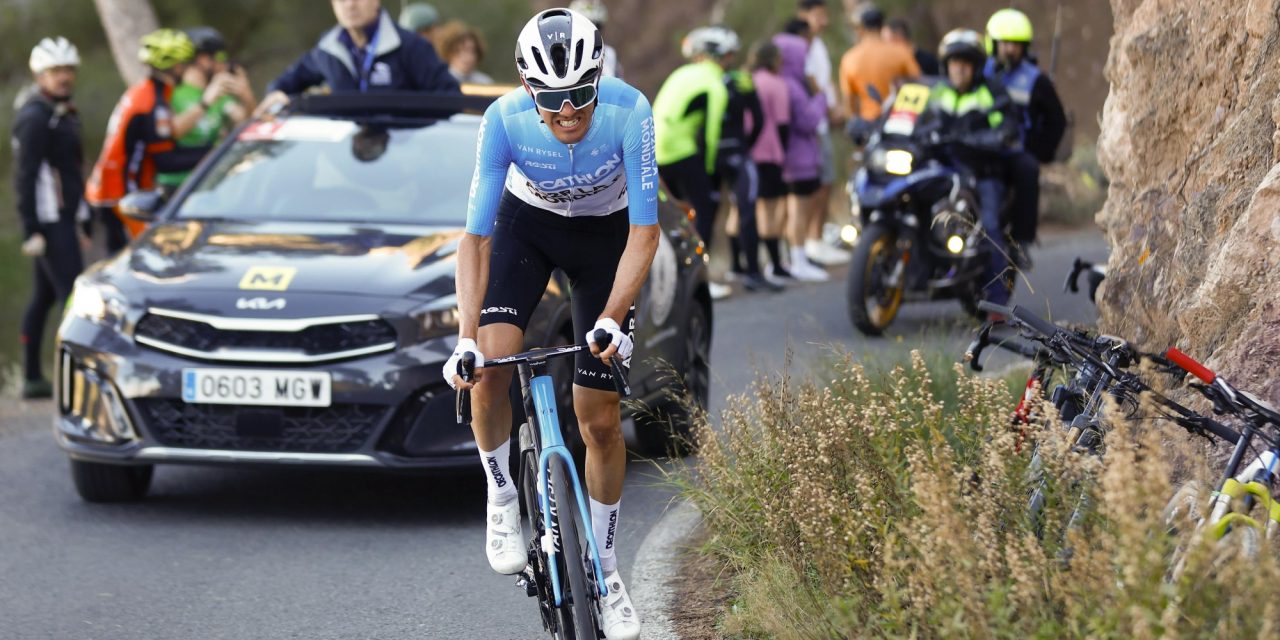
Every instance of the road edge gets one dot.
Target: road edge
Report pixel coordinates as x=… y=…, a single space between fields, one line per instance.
x=657 y=561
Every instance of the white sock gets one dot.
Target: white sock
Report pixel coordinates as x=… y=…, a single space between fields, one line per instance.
x=604 y=524
x=497 y=474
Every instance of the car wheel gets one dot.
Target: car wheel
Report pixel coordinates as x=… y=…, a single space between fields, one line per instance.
x=666 y=428
x=97 y=482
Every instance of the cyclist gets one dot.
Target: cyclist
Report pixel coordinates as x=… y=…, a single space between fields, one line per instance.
x=981 y=114
x=565 y=178
x=598 y=14
x=689 y=112
x=49 y=185
x=210 y=66
x=1043 y=119
x=142 y=130
x=365 y=52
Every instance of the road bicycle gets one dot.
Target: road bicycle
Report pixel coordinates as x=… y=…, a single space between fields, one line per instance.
x=564 y=571
x=1230 y=514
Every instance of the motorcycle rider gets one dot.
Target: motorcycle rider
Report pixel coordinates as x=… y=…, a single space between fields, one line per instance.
x=1041 y=116
x=979 y=115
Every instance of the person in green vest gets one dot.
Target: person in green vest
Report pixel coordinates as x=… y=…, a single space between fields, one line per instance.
x=977 y=114
x=235 y=101
x=688 y=115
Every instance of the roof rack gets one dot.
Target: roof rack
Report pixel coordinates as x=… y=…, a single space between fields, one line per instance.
x=398 y=104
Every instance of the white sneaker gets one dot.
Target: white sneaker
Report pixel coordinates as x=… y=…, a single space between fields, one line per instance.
x=719 y=291
x=504 y=545
x=620 y=620
x=825 y=254
x=808 y=272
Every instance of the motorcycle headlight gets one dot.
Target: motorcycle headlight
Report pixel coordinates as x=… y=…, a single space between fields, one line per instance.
x=96 y=302
x=439 y=318
x=898 y=162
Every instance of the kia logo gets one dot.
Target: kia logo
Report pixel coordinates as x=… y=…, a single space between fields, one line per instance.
x=260 y=304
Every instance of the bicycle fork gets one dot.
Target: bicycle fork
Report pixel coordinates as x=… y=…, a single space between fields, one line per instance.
x=543 y=392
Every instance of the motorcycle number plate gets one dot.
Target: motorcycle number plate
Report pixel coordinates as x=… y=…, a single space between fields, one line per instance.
x=912 y=99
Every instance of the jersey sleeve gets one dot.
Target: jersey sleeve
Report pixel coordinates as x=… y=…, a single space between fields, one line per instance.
x=493 y=159
x=641 y=164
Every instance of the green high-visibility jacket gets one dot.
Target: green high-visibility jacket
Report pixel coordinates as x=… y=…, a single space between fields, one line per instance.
x=688 y=113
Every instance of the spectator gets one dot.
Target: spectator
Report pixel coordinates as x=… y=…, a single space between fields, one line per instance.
x=817 y=65
x=769 y=152
x=898 y=31
x=869 y=70
x=463 y=50
x=420 y=18
x=366 y=51
x=210 y=66
x=49 y=185
x=688 y=114
x=595 y=11
x=142 y=130
x=802 y=168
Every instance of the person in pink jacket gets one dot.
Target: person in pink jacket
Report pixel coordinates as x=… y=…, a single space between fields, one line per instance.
x=802 y=167
x=769 y=153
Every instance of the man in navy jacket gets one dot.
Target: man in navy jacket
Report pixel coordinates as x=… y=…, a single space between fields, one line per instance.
x=365 y=52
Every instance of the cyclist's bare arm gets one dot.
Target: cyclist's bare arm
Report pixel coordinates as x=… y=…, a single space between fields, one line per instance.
x=472 y=280
x=633 y=268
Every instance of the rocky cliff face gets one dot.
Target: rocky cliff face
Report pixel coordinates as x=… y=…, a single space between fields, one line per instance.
x=1190 y=143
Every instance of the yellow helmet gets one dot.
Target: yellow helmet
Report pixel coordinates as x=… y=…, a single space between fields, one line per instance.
x=1008 y=25
x=164 y=48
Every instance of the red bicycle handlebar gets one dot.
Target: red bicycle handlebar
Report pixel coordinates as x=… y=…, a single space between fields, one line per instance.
x=1187 y=362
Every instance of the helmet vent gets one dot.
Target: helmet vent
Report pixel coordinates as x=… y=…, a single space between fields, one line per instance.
x=577 y=53
x=542 y=64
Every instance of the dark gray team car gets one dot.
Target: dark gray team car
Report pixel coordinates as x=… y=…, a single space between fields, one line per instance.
x=293 y=304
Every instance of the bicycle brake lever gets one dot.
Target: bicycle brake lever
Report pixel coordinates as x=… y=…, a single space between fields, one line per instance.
x=973 y=353
x=462 y=403
x=603 y=340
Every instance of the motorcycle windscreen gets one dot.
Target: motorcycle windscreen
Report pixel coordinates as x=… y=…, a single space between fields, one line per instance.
x=907 y=106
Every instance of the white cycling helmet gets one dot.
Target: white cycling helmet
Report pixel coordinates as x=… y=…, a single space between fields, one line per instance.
x=716 y=42
x=53 y=52
x=558 y=49
x=593 y=10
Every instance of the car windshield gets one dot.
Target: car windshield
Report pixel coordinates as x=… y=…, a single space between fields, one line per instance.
x=319 y=169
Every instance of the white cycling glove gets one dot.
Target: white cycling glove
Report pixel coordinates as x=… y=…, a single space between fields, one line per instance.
x=465 y=345
x=616 y=336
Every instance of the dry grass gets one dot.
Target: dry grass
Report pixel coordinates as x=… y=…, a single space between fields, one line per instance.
x=868 y=507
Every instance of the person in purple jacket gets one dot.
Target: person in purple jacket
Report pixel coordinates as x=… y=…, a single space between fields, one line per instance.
x=802 y=168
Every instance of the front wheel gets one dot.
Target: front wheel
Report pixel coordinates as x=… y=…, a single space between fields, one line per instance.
x=98 y=482
x=577 y=612
x=877 y=277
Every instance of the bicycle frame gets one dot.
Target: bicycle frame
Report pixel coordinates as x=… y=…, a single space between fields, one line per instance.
x=538 y=390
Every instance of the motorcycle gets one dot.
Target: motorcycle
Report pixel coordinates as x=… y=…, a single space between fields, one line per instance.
x=921 y=238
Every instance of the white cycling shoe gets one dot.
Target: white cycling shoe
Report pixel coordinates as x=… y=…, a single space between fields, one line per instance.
x=503 y=542
x=619 y=618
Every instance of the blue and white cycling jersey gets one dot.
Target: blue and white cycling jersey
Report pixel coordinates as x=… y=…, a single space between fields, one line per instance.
x=612 y=167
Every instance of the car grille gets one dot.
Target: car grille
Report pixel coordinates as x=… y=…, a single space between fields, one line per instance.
x=183 y=335
x=341 y=428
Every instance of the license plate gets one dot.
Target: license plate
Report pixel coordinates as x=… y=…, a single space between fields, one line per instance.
x=256 y=387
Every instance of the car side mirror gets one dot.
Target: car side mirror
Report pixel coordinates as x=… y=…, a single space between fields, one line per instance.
x=142 y=205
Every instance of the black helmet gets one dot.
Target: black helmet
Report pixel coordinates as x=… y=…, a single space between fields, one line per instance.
x=965 y=44
x=207 y=39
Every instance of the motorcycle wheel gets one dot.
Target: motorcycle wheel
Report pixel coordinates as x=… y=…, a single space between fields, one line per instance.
x=872 y=305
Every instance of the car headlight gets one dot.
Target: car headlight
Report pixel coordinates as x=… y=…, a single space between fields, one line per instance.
x=440 y=318
x=96 y=302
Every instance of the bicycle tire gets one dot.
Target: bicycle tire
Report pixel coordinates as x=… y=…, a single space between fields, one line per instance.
x=532 y=509
x=577 y=611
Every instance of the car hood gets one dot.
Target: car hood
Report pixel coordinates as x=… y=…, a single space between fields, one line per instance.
x=330 y=260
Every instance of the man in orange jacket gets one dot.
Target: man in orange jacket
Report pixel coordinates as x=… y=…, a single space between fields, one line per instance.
x=141 y=134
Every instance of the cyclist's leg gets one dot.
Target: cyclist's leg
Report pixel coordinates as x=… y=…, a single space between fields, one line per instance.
x=744 y=195
x=688 y=180
x=33 y=320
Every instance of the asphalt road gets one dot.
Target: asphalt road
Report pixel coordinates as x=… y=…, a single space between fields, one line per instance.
x=221 y=553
